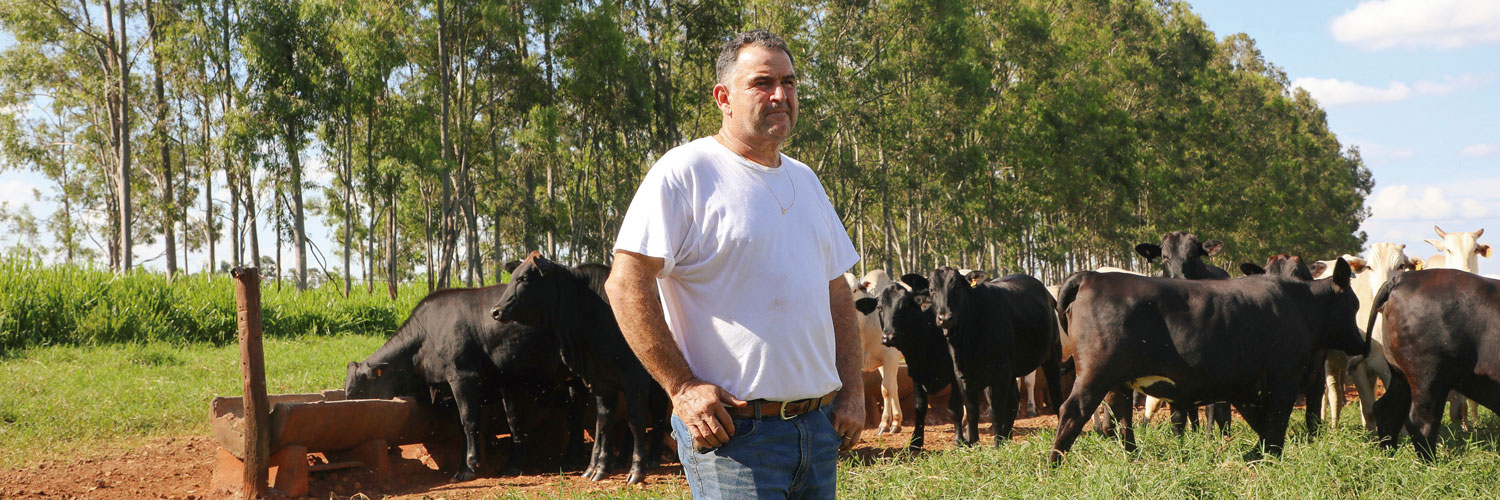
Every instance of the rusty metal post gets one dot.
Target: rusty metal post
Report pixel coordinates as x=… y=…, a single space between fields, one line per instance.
x=253 y=371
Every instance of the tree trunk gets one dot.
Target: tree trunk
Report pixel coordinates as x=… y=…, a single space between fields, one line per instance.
x=299 y=234
x=391 y=247
x=251 y=219
x=124 y=162
x=348 y=203
x=169 y=214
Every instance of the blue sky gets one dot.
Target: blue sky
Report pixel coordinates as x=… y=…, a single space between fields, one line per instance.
x=1415 y=84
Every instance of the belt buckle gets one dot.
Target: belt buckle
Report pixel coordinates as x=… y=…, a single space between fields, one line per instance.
x=783 y=410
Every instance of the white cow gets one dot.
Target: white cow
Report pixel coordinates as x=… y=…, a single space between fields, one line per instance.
x=1460 y=251
x=1384 y=261
x=878 y=356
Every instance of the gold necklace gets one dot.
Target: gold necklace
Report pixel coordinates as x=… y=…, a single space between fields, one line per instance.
x=789 y=179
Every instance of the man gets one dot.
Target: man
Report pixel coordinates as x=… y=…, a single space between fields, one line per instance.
x=753 y=335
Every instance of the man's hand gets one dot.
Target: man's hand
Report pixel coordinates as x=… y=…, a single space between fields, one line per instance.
x=849 y=418
x=700 y=406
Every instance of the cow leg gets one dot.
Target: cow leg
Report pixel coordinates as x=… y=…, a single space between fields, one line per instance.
x=1051 y=381
x=1335 y=371
x=577 y=405
x=466 y=396
x=1075 y=410
x=1312 y=389
x=1424 y=419
x=1023 y=391
x=1364 y=384
x=890 y=367
x=1123 y=410
x=971 y=397
x=918 y=429
x=1456 y=410
x=637 y=415
x=518 y=437
x=1256 y=416
x=956 y=412
x=1391 y=410
x=1003 y=403
x=599 y=462
x=1153 y=405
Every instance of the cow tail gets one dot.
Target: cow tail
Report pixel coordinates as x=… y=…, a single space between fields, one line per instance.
x=1065 y=295
x=1375 y=305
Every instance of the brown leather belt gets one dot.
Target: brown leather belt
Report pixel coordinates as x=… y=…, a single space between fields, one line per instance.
x=784 y=409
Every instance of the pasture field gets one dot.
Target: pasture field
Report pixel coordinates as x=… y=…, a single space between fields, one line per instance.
x=84 y=400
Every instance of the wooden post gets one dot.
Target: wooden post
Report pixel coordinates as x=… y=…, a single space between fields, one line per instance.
x=253 y=371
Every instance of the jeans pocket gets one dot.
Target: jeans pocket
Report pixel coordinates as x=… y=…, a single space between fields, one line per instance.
x=744 y=427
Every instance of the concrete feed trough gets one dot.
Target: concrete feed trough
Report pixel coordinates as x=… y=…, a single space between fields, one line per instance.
x=350 y=433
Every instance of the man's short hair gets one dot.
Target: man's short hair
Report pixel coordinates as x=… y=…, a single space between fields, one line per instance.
x=730 y=54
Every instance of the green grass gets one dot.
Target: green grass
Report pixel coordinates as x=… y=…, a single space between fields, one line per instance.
x=86 y=399
x=91 y=398
x=79 y=305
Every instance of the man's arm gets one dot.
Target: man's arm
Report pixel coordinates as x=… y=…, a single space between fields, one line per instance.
x=849 y=407
x=632 y=295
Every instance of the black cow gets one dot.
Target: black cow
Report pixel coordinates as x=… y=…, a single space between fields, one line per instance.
x=572 y=302
x=1442 y=333
x=449 y=346
x=907 y=325
x=1292 y=267
x=1247 y=341
x=996 y=331
x=1182 y=258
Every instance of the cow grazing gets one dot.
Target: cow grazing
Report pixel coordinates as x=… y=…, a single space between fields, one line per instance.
x=448 y=346
x=1247 y=341
x=1442 y=328
x=572 y=303
x=1182 y=258
x=877 y=356
x=906 y=321
x=1461 y=251
x=996 y=331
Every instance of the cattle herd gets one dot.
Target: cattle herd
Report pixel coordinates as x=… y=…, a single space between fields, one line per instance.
x=1428 y=330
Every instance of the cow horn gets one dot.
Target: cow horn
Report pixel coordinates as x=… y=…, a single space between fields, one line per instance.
x=1440 y=232
x=1478 y=233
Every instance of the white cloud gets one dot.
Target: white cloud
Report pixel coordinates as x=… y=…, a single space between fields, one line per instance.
x=1444 y=24
x=17 y=192
x=1401 y=203
x=1485 y=149
x=1333 y=92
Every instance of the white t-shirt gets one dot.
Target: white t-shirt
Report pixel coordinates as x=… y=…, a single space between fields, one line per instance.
x=745 y=287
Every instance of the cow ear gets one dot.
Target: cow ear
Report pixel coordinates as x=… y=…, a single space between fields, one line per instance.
x=865 y=305
x=916 y=281
x=1439 y=244
x=510 y=267
x=1212 y=247
x=1482 y=250
x=1341 y=273
x=1250 y=269
x=1357 y=265
x=1148 y=250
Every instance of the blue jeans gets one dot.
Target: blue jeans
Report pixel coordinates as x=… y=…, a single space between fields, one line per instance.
x=766 y=458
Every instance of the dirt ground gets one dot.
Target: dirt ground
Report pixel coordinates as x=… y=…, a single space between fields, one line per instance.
x=182 y=468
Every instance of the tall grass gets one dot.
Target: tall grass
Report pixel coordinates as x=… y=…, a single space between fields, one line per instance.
x=74 y=305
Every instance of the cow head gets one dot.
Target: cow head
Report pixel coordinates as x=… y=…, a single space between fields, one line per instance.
x=535 y=285
x=372 y=381
x=1460 y=250
x=951 y=294
x=1386 y=260
x=904 y=314
x=1340 y=330
x=1289 y=266
x=1181 y=255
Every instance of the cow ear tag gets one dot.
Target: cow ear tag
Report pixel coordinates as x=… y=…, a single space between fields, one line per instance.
x=377 y=372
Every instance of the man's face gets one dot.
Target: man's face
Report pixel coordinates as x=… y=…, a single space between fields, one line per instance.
x=760 y=100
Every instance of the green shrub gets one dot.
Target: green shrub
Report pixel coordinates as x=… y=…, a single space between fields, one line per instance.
x=83 y=305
